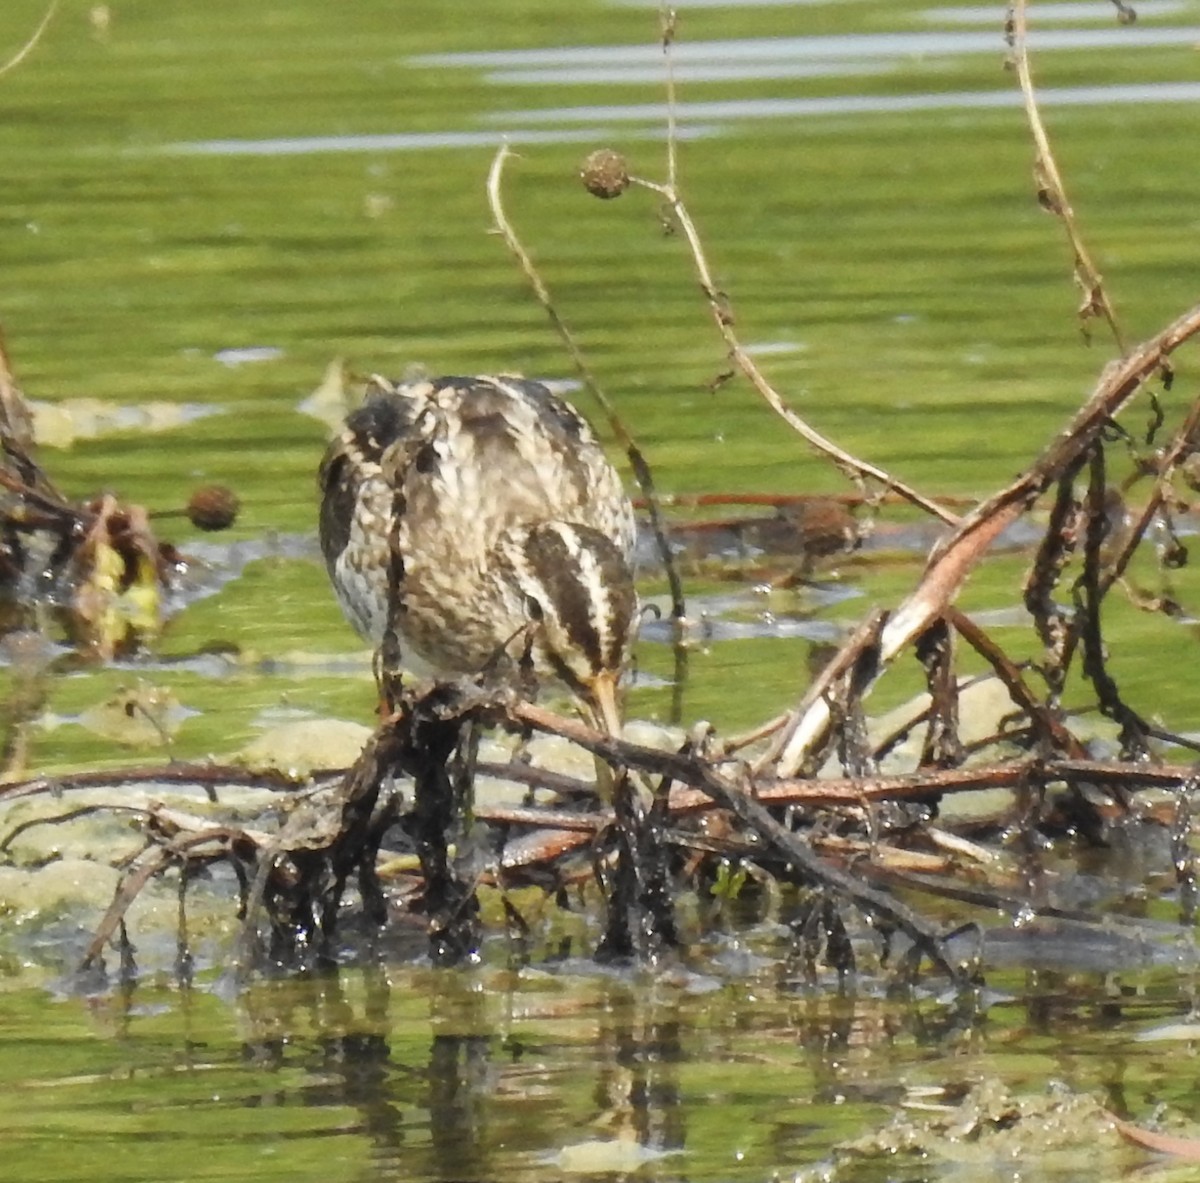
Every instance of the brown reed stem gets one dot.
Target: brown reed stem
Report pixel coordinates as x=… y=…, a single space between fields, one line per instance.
x=1052 y=193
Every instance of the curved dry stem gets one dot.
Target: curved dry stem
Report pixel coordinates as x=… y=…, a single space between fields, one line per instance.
x=206 y=777
x=1051 y=193
x=641 y=470
x=667 y=19
x=723 y=314
x=26 y=49
x=723 y=317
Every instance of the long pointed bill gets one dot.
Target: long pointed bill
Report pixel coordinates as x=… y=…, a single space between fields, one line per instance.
x=604 y=704
x=604 y=714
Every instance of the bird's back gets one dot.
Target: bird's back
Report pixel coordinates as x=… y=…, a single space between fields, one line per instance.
x=451 y=466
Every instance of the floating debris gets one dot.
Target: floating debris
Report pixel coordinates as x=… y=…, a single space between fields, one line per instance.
x=247 y=355
x=63 y=423
x=142 y=716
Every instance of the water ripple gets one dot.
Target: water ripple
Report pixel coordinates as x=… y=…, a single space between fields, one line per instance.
x=719 y=110
x=850 y=47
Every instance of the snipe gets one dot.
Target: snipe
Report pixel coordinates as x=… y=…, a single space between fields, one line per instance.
x=478 y=522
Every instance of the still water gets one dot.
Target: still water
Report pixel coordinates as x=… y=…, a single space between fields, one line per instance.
x=204 y=206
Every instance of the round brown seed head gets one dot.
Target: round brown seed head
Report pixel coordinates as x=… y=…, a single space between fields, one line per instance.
x=213 y=507
x=605 y=174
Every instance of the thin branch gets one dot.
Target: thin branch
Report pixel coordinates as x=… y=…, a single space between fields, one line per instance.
x=641 y=470
x=1051 y=192
x=26 y=49
x=723 y=317
x=150 y=863
x=667 y=22
x=1046 y=723
x=204 y=776
x=69 y=816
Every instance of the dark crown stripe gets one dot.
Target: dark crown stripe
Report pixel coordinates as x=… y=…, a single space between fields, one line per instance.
x=555 y=568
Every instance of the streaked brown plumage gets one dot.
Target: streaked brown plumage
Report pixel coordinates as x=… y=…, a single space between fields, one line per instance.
x=479 y=519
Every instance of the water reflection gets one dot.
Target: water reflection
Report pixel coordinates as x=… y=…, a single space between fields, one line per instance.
x=462 y=1076
x=975 y=14
x=735 y=60
x=385 y=1073
x=455 y=1091
x=1042 y=14
x=408 y=141
x=651 y=73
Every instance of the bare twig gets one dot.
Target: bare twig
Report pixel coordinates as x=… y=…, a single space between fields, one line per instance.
x=26 y=49
x=1052 y=193
x=1181 y=446
x=722 y=314
x=1046 y=723
x=68 y=816
x=637 y=461
x=953 y=559
x=205 y=776
x=668 y=19
x=150 y=863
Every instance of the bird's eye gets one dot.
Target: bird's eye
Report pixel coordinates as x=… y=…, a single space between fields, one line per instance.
x=533 y=608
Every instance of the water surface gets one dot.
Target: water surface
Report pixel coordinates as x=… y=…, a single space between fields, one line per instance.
x=286 y=184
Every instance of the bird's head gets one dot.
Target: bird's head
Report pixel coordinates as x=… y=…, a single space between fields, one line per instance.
x=573 y=586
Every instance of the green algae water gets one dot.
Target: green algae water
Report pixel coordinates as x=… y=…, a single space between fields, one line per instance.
x=204 y=206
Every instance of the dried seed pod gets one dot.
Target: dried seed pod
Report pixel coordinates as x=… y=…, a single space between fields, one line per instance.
x=213 y=507
x=605 y=174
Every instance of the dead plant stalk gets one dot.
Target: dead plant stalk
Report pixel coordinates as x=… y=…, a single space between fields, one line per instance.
x=1052 y=193
x=641 y=469
x=723 y=317
x=29 y=46
x=953 y=559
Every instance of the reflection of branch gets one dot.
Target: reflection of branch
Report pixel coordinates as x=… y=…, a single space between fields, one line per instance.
x=1051 y=193
x=26 y=49
x=641 y=470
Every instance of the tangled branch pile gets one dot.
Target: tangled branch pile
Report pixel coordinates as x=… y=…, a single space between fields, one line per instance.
x=800 y=801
